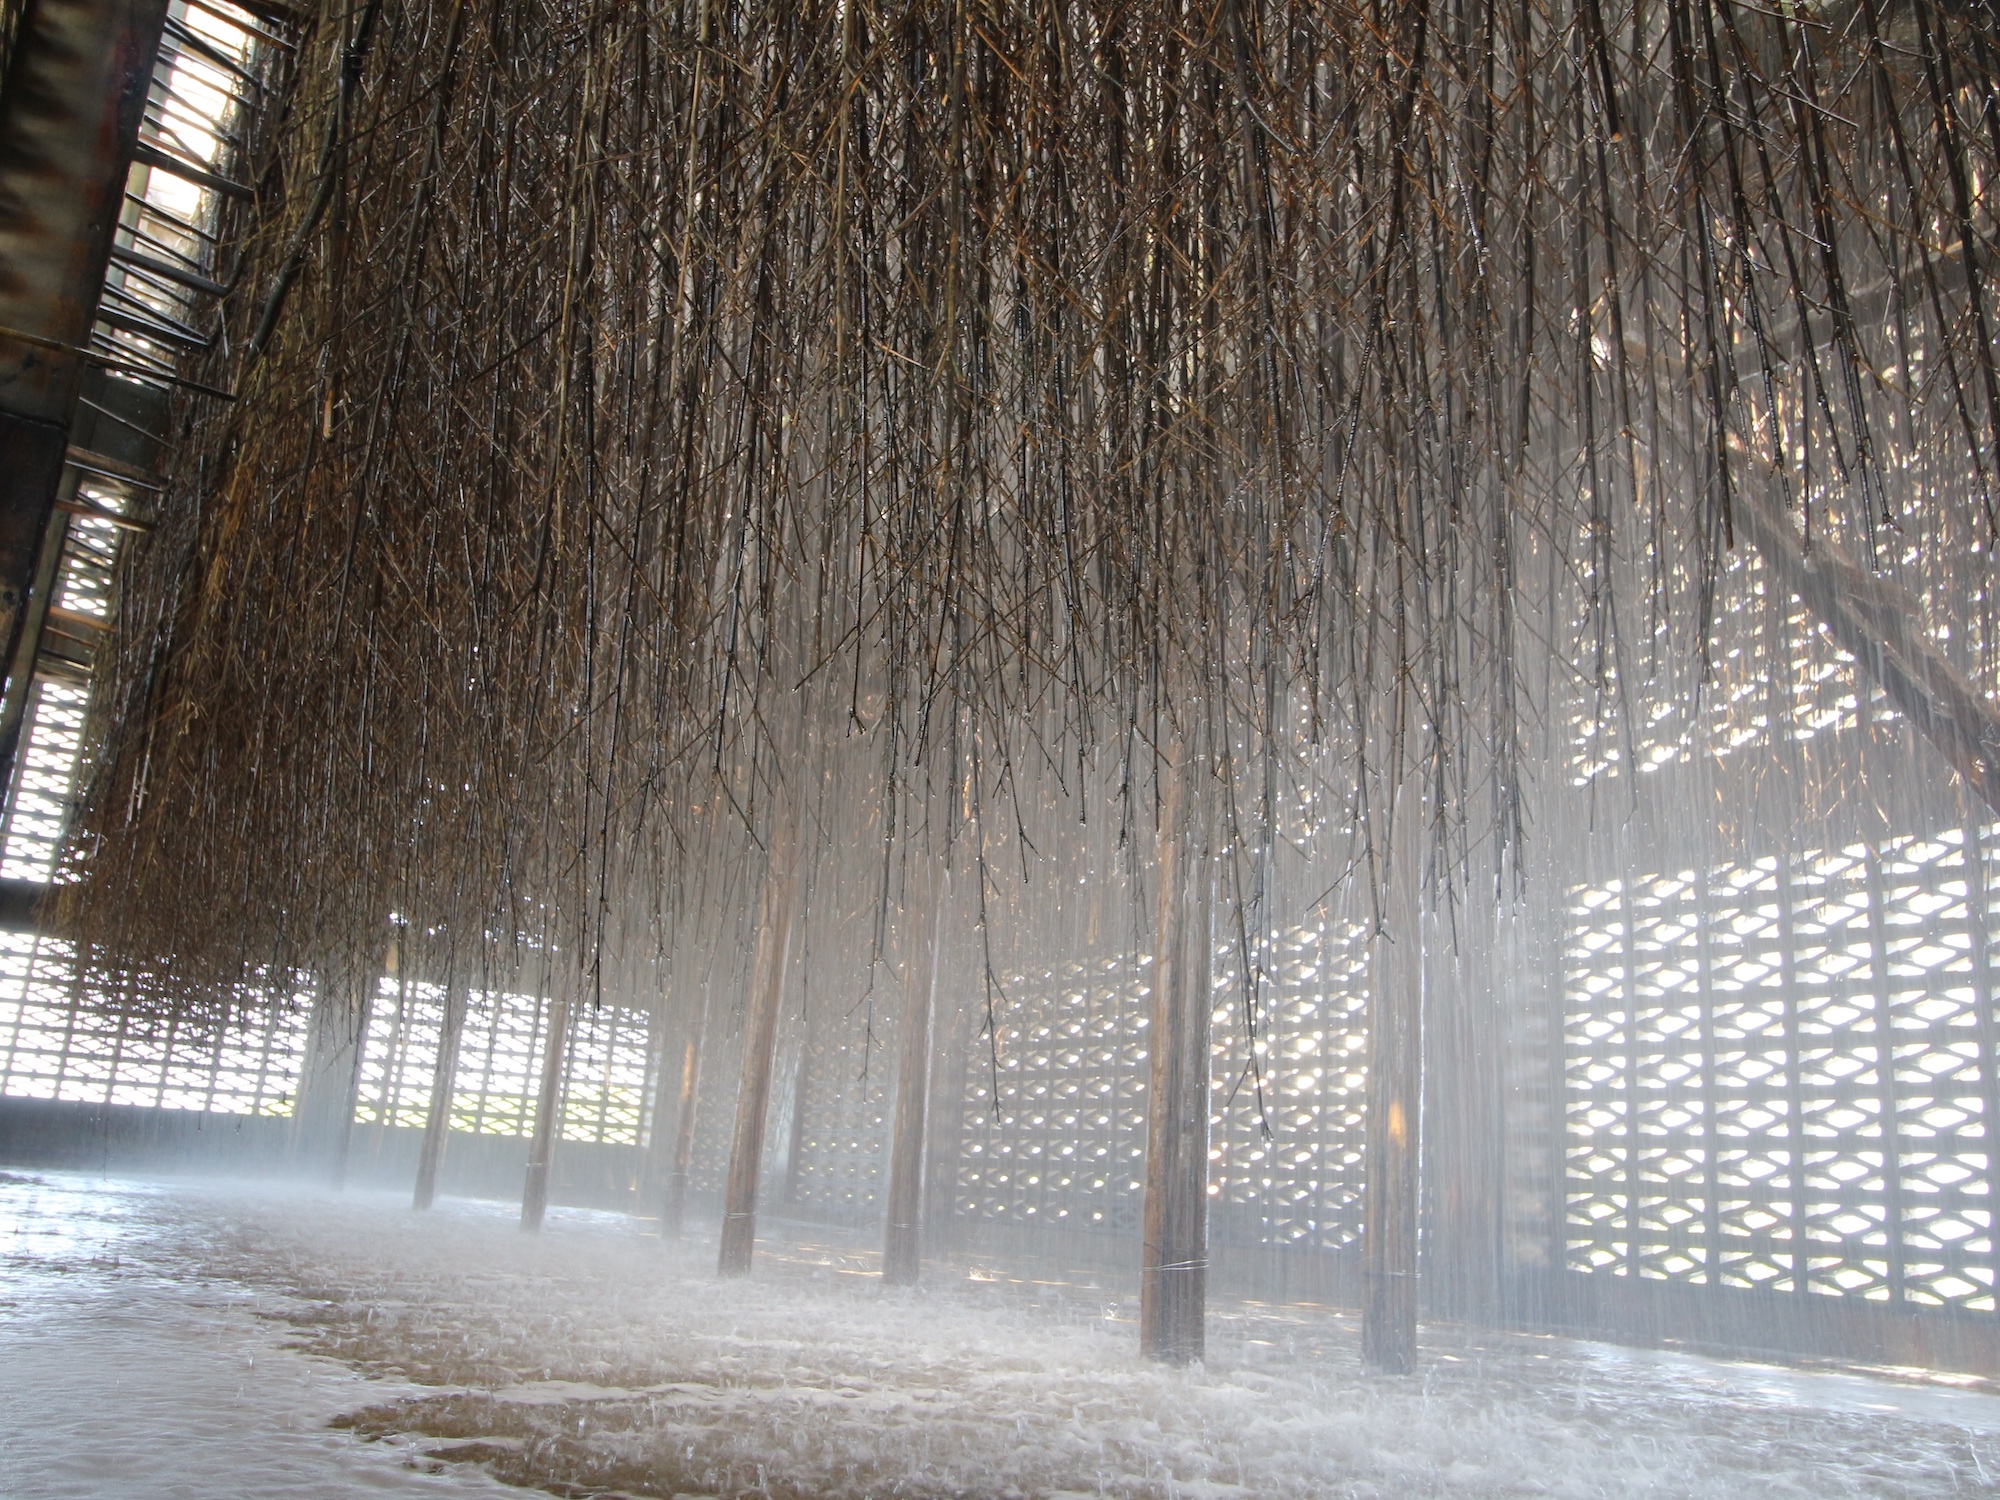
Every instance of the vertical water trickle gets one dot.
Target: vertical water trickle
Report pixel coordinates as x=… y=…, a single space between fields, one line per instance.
x=548 y=1105
x=1395 y=1083
x=902 y=1247
x=1173 y=1277
x=437 y=1121
x=760 y=1039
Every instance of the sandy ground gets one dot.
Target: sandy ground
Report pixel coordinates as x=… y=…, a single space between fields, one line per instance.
x=175 y=1338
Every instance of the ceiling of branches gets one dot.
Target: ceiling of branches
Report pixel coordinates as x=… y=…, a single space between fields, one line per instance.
x=652 y=417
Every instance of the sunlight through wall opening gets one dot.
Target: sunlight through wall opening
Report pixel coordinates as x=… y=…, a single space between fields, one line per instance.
x=1780 y=1074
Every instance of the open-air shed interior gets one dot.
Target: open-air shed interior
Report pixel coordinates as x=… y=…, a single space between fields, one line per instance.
x=1121 y=748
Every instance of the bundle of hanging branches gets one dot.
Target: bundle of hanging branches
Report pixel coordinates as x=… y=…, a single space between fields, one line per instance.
x=638 y=402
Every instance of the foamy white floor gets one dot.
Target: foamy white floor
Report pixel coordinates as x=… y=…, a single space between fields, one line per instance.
x=124 y=1371
x=143 y=1334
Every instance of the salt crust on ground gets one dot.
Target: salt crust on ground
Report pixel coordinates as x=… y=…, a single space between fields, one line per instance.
x=595 y=1360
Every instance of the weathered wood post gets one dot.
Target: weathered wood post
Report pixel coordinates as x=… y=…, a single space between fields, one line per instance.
x=760 y=1039
x=1395 y=1081
x=902 y=1243
x=548 y=1101
x=437 y=1122
x=1173 y=1277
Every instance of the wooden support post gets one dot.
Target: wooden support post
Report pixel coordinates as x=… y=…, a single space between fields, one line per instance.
x=542 y=1147
x=673 y=1214
x=437 y=1123
x=902 y=1243
x=1395 y=1081
x=1173 y=1273
x=760 y=1040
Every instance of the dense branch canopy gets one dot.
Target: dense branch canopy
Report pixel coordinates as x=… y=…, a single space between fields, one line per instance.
x=637 y=400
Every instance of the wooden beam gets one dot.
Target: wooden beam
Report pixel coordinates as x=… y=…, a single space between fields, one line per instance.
x=70 y=111
x=902 y=1241
x=1395 y=1077
x=1878 y=624
x=1173 y=1268
x=187 y=171
x=760 y=1040
x=437 y=1122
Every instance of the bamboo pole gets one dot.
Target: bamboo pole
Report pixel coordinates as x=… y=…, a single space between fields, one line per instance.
x=902 y=1244
x=1395 y=1078
x=760 y=1038
x=541 y=1149
x=1173 y=1281
x=437 y=1123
